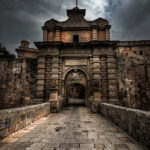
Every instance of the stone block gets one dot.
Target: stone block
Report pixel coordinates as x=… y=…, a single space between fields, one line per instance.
x=111 y=76
x=39 y=94
x=41 y=71
x=40 y=88
x=41 y=60
x=112 y=87
x=112 y=94
x=40 y=82
x=111 y=71
x=54 y=76
x=41 y=76
x=111 y=65
x=54 y=70
x=40 y=66
x=111 y=60
x=112 y=82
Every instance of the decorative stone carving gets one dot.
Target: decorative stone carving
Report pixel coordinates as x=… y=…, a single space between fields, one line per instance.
x=102 y=22
x=76 y=75
x=51 y=23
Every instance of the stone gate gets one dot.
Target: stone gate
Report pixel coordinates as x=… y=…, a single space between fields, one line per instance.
x=77 y=55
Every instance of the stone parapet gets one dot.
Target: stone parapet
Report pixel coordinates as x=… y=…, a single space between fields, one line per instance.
x=135 y=122
x=12 y=120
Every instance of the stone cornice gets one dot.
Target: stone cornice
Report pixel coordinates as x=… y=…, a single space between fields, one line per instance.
x=133 y=43
x=83 y=44
x=75 y=28
x=32 y=50
x=91 y=44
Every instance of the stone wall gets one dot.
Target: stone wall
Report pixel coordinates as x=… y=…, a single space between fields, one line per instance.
x=135 y=122
x=84 y=36
x=12 y=120
x=134 y=82
x=17 y=82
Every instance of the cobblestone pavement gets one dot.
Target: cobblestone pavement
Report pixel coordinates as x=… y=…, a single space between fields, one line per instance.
x=73 y=128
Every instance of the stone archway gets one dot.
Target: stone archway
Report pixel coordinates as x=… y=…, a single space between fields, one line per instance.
x=76 y=80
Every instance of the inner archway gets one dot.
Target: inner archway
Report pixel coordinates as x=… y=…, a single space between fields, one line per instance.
x=76 y=87
x=76 y=94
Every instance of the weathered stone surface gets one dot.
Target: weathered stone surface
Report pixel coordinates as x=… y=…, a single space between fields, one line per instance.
x=74 y=128
x=134 y=81
x=12 y=120
x=118 y=71
x=17 y=82
x=132 y=121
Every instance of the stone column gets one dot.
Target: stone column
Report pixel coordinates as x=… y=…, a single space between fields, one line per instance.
x=96 y=81
x=104 y=77
x=96 y=76
x=40 y=79
x=90 y=82
x=102 y=35
x=24 y=68
x=60 y=83
x=107 y=34
x=95 y=35
x=57 y=35
x=54 y=95
x=48 y=73
x=45 y=35
x=112 y=79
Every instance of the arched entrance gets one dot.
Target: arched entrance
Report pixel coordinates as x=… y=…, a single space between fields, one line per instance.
x=76 y=87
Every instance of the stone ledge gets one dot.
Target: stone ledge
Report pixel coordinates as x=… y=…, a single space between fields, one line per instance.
x=12 y=120
x=135 y=122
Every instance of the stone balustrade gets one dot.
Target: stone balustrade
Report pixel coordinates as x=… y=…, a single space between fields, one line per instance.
x=134 y=122
x=12 y=120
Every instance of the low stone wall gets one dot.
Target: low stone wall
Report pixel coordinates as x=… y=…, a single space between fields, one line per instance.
x=12 y=120
x=135 y=122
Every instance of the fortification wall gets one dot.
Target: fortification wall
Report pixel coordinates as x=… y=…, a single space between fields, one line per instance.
x=17 y=82
x=134 y=81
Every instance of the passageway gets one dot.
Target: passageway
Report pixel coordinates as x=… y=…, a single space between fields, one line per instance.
x=76 y=94
x=71 y=129
x=76 y=102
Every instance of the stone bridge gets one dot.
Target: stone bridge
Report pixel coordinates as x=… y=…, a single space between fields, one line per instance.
x=73 y=128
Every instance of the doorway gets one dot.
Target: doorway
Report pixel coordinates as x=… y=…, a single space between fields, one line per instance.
x=75 y=87
x=76 y=94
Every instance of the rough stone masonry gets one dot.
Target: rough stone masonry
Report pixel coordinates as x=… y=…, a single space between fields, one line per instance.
x=77 y=54
x=76 y=60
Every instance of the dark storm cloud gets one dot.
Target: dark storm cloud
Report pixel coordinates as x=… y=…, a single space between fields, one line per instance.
x=130 y=19
x=22 y=19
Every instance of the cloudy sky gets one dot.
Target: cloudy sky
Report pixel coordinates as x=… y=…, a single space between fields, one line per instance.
x=22 y=19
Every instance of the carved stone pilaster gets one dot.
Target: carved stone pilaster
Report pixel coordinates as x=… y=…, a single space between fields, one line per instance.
x=40 y=78
x=95 y=34
x=54 y=86
x=112 y=79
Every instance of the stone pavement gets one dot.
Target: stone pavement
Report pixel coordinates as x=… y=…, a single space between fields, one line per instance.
x=73 y=128
x=75 y=101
